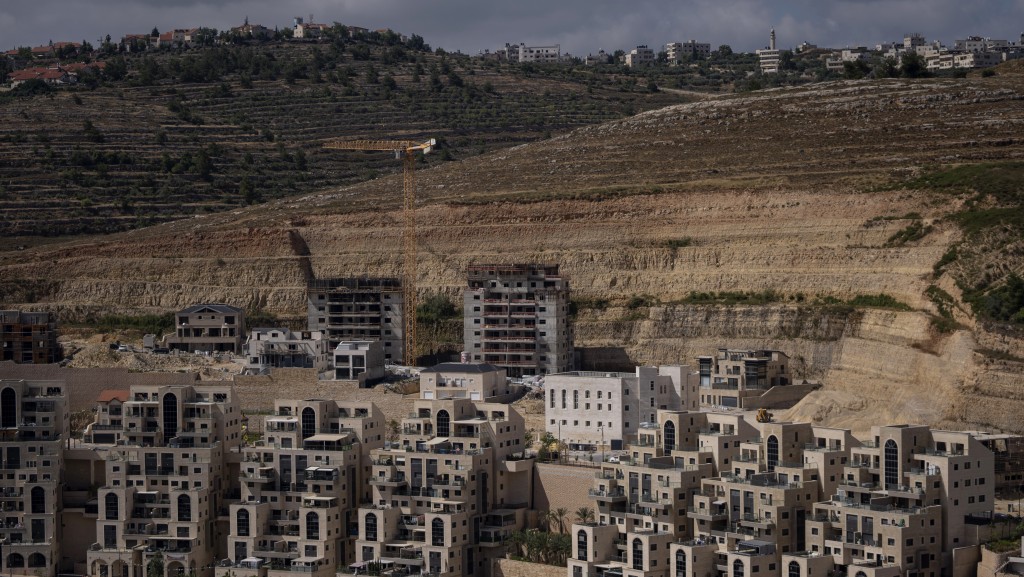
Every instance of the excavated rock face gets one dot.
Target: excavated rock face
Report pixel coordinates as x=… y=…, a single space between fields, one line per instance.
x=788 y=191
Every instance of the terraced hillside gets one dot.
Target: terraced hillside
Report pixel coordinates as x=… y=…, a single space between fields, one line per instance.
x=138 y=152
x=865 y=227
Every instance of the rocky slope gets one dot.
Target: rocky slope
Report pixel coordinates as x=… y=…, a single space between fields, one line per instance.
x=789 y=191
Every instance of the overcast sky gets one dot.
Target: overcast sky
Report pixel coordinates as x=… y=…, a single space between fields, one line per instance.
x=580 y=26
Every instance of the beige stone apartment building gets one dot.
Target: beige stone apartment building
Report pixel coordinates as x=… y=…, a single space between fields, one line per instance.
x=208 y=328
x=301 y=486
x=165 y=482
x=34 y=426
x=786 y=499
x=449 y=492
x=739 y=378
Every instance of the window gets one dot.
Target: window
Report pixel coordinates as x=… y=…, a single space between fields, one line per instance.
x=575 y=399
x=680 y=563
x=437 y=532
x=184 y=508
x=312 y=526
x=638 y=554
x=563 y=398
x=552 y=396
x=38 y=500
x=242 y=523
x=892 y=463
x=443 y=423
x=670 y=436
x=371 y=526
x=737 y=568
x=581 y=545
x=773 y=452
x=111 y=506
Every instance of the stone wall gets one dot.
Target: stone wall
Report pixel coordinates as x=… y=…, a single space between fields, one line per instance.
x=562 y=486
x=510 y=568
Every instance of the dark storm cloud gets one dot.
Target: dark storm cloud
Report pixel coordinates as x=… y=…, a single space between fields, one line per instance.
x=579 y=26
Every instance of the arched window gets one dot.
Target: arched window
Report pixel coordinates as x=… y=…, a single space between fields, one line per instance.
x=437 y=532
x=371 y=526
x=552 y=397
x=8 y=409
x=581 y=545
x=184 y=508
x=670 y=436
x=15 y=560
x=861 y=574
x=38 y=500
x=737 y=568
x=170 y=406
x=444 y=427
x=563 y=398
x=312 y=526
x=110 y=506
x=638 y=554
x=794 y=569
x=892 y=463
x=242 y=522
x=37 y=560
x=773 y=452
x=680 y=563
x=575 y=399
x=308 y=422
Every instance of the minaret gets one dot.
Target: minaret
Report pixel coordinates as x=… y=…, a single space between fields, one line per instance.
x=771 y=40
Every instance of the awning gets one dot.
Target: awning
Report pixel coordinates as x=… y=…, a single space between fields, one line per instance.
x=306 y=561
x=358 y=565
x=252 y=560
x=473 y=421
x=718 y=502
x=326 y=438
x=437 y=441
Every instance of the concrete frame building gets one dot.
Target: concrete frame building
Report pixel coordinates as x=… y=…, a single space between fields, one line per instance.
x=589 y=409
x=739 y=378
x=29 y=337
x=517 y=317
x=34 y=424
x=449 y=492
x=208 y=328
x=165 y=482
x=361 y=361
x=522 y=53
x=106 y=429
x=677 y=51
x=300 y=488
x=358 y=309
x=274 y=348
x=639 y=57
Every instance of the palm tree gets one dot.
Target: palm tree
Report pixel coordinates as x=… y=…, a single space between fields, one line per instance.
x=516 y=541
x=584 y=515
x=542 y=518
x=560 y=514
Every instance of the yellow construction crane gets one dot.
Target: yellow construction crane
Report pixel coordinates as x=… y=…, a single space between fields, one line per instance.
x=406 y=151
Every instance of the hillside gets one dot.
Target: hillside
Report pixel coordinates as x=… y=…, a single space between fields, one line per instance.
x=206 y=130
x=819 y=220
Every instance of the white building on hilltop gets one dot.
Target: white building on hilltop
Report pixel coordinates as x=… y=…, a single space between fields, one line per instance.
x=769 y=57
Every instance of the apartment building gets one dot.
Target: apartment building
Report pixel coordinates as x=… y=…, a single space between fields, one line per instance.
x=275 y=348
x=739 y=378
x=106 y=429
x=208 y=328
x=165 y=482
x=34 y=424
x=517 y=318
x=639 y=57
x=588 y=410
x=361 y=361
x=449 y=492
x=463 y=381
x=300 y=488
x=522 y=53
x=358 y=309
x=692 y=50
x=29 y=337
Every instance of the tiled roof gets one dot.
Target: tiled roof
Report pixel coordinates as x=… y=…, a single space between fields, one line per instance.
x=108 y=395
x=217 y=308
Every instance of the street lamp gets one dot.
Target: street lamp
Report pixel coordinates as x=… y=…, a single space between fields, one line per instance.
x=601 y=428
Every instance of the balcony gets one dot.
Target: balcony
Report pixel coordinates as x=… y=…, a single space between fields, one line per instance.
x=389 y=481
x=756 y=521
x=713 y=514
x=612 y=496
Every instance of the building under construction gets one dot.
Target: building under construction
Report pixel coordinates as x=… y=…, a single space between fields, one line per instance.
x=358 y=309
x=29 y=337
x=517 y=318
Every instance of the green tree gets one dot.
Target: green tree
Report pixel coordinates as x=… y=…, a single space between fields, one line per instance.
x=913 y=65
x=887 y=67
x=155 y=567
x=584 y=515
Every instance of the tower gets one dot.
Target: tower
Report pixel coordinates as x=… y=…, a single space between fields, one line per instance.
x=771 y=40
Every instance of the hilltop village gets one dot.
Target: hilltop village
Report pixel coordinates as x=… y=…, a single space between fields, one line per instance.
x=674 y=470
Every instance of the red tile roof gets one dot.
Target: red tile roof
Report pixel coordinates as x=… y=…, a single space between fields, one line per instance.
x=108 y=395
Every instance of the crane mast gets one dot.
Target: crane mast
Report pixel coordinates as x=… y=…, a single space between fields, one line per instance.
x=406 y=151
